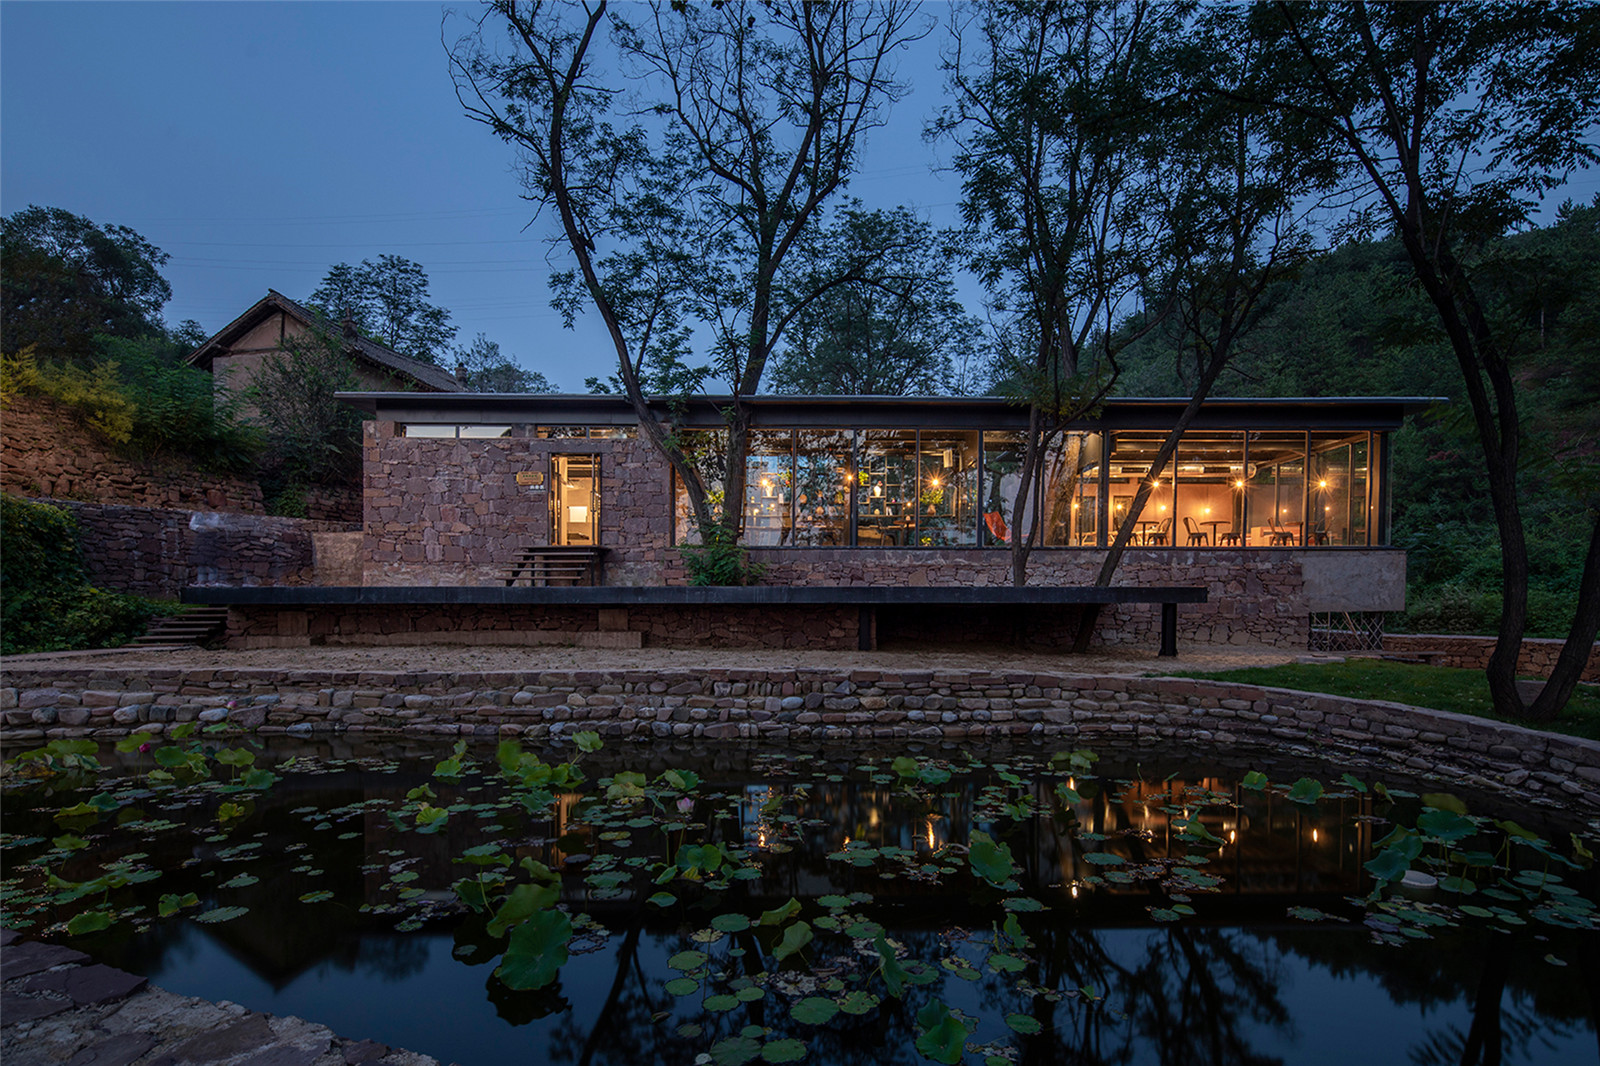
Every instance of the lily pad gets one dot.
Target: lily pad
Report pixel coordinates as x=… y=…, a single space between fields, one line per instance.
x=814 y=1010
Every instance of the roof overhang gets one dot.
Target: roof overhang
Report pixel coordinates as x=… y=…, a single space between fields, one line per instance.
x=890 y=412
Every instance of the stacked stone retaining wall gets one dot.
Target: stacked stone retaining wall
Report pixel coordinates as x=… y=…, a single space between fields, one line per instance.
x=804 y=705
x=1537 y=657
x=157 y=552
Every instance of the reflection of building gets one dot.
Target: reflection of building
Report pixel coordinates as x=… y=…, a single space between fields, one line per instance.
x=1279 y=508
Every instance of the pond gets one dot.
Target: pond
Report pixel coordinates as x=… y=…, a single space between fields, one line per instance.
x=730 y=904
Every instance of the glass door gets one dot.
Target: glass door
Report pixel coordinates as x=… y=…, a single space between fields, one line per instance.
x=575 y=500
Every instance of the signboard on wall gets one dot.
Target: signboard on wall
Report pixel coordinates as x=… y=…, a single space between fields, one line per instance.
x=534 y=479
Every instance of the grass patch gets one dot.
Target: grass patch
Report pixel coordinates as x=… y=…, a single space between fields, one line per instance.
x=1440 y=687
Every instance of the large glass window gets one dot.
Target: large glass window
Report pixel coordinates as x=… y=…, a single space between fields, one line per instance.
x=1002 y=474
x=708 y=449
x=1210 y=507
x=1131 y=463
x=1070 y=486
x=1338 y=489
x=886 y=488
x=822 y=488
x=1275 y=494
x=769 y=489
x=947 y=514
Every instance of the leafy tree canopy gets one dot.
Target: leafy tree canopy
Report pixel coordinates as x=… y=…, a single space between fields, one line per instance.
x=388 y=301
x=66 y=279
x=481 y=368
x=886 y=321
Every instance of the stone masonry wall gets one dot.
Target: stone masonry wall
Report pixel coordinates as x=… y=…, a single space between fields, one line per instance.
x=158 y=553
x=1537 y=656
x=805 y=704
x=450 y=512
x=44 y=451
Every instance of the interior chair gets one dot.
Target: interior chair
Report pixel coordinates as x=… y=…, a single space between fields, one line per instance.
x=1162 y=534
x=1196 y=534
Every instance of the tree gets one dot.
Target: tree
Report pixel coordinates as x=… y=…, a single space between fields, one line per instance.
x=894 y=331
x=1233 y=194
x=481 y=368
x=67 y=278
x=755 y=116
x=1052 y=125
x=311 y=437
x=387 y=301
x=1453 y=119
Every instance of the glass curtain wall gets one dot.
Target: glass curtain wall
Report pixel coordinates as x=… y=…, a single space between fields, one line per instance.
x=886 y=488
x=1002 y=475
x=956 y=488
x=947 y=513
x=1210 y=509
x=822 y=488
x=1070 y=490
x=1338 y=489
x=1132 y=455
x=769 y=489
x=1275 y=493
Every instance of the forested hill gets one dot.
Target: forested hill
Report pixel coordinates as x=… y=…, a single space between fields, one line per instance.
x=1354 y=324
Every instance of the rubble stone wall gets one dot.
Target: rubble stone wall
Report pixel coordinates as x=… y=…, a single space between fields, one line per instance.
x=157 y=552
x=44 y=451
x=1537 y=656
x=805 y=704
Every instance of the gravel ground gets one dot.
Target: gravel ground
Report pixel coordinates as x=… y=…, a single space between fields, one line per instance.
x=456 y=658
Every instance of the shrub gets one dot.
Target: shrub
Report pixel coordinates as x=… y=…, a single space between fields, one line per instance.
x=720 y=560
x=133 y=397
x=45 y=603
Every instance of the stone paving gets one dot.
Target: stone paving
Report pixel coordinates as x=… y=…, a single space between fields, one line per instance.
x=59 y=1007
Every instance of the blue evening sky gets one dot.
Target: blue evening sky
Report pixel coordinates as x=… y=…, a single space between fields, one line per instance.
x=259 y=143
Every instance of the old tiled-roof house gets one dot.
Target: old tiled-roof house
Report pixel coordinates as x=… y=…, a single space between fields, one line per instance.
x=237 y=351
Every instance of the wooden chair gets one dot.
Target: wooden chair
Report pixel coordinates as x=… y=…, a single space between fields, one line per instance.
x=1196 y=534
x=1230 y=538
x=1162 y=534
x=1278 y=536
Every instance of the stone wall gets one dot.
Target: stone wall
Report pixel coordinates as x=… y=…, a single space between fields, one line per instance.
x=157 y=553
x=861 y=706
x=45 y=451
x=450 y=512
x=659 y=626
x=1537 y=656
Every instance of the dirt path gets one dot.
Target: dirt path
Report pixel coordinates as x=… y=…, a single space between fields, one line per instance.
x=456 y=658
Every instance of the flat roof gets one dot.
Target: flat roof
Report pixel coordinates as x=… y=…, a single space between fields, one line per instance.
x=944 y=412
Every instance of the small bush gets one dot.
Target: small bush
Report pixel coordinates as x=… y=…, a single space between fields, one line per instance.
x=720 y=560
x=45 y=603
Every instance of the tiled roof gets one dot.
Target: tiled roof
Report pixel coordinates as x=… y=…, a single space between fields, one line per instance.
x=429 y=377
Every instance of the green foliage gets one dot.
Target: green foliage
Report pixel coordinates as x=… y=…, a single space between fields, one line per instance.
x=67 y=279
x=311 y=438
x=45 y=602
x=895 y=328
x=388 y=301
x=720 y=560
x=133 y=394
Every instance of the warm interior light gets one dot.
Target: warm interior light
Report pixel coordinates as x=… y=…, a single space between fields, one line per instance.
x=1322 y=484
x=933 y=482
x=1239 y=484
x=1206 y=510
x=1313 y=836
x=877 y=490
x=578 y=514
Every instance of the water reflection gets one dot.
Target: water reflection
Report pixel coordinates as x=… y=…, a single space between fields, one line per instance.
x=1238 y=982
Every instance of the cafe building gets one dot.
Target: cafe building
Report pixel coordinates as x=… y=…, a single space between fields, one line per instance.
x=1278 y=508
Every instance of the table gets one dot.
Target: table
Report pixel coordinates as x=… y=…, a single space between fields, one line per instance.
x=1214 y=526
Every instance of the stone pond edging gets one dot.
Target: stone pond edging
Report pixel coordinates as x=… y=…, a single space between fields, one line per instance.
x=41 y=702
x=60 y=1007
